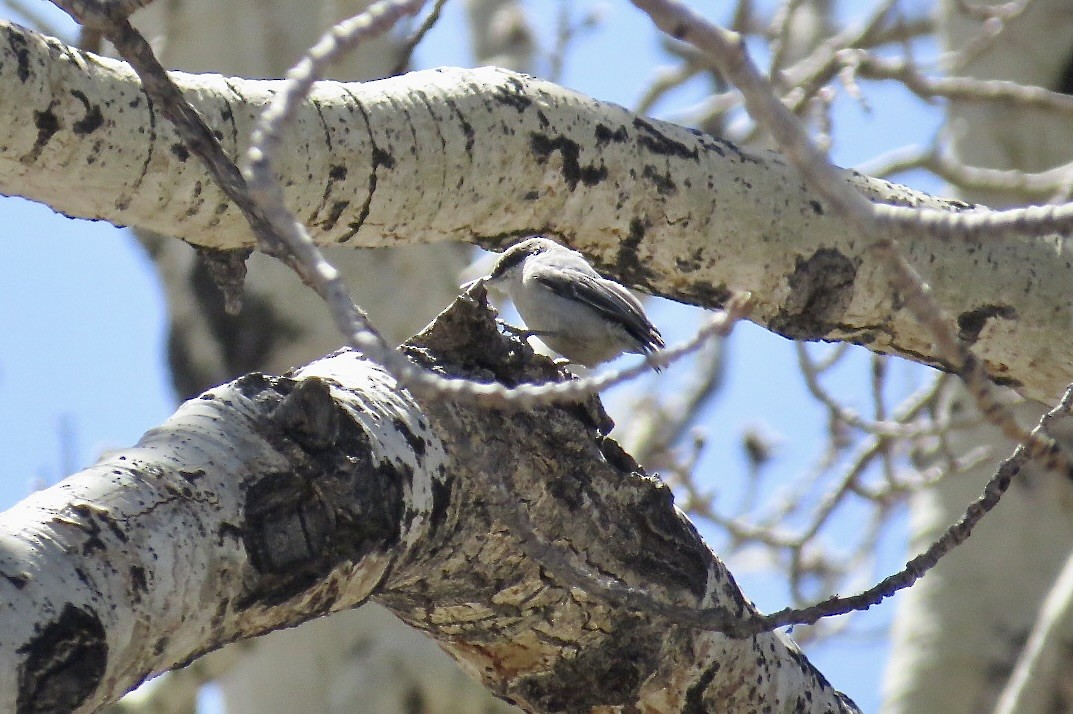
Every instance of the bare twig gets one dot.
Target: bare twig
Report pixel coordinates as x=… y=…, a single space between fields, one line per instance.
x=411 y=42
x=280 y=234
x=968 y=89
x=993 y=19
x=781 y=27
x=571 y=571
x=879 y=222
x=891 y=429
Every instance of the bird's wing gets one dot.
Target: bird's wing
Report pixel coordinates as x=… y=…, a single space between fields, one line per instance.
x=606 y=297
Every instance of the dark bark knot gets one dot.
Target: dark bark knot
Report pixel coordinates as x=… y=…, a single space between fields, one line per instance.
x=63 y=663
x=600 y=676
x=335 y=504
x=308 y=414
x=821 y=288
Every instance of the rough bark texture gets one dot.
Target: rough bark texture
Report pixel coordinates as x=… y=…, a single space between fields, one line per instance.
x=269 y=501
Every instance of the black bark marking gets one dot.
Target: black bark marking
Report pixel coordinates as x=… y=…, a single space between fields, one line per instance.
x=380 y=158
x=18 y=45
x=324 y=124
x=138 y=582
x=336 y=173
x=1010 y=382
x=64 y=663
x=417 y=443
x=180 y=152
x=627 y=267
x=544 y=146
x=694 y=700
x=659 y=143
x=709 y=295
x=467 y=128
x=47 y=124
x=19 y=581
x=665 y=185
x=512 y=94
x=441 y=499
x=92 y=120
x=605 y=135
x=122 y=201
x=228 y=112
x=971 y=322
x=334 y=214
x=821 y=288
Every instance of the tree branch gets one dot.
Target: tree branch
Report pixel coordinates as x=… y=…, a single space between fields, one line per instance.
x=486 y=155
x=269 y=501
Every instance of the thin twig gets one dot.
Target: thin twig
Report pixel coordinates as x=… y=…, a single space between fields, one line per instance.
x=566 y=566
x=967 y=89
x=280 y=234
x=411 y=42
x=877 y=222
x=268 y=194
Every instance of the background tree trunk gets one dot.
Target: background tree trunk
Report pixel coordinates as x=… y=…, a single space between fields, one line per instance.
x=960 y=631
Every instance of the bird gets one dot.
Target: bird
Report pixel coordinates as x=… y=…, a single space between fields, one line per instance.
x=574 y=310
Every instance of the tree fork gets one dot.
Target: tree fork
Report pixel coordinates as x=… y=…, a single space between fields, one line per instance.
x=269 y=501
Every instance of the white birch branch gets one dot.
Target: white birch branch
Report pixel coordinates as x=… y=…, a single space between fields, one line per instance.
x=225 y=522
x=486 y=154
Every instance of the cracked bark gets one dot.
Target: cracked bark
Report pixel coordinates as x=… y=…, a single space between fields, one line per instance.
x=269 y=501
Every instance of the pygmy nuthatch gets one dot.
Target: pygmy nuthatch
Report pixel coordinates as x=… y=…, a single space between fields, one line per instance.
x=584 y=317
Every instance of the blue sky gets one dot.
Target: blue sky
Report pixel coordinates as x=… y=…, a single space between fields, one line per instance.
x=83 y=370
